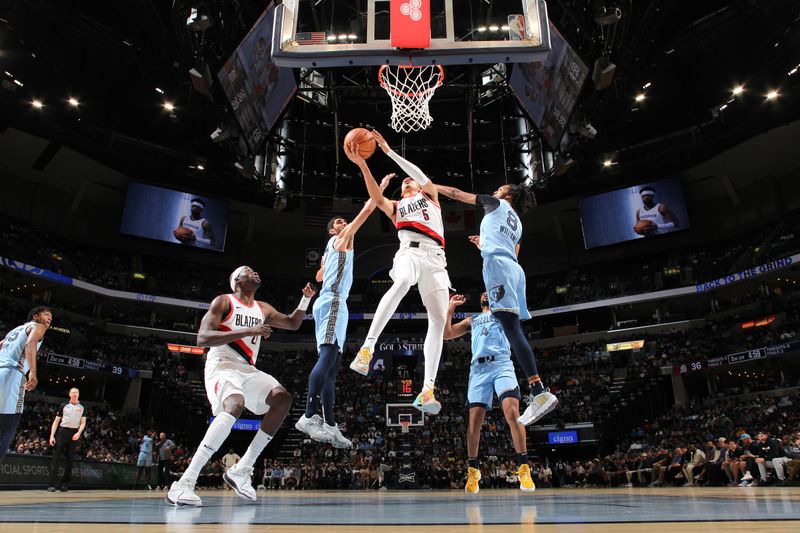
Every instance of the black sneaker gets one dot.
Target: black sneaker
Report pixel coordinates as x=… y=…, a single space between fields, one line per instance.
x=64 y=487
x=51 y=489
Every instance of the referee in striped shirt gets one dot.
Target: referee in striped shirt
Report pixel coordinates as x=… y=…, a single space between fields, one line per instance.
x=67 y=428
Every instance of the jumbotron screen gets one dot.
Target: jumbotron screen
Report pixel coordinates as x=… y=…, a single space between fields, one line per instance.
x=257 y=89
x=177 y=217
x=642 y=211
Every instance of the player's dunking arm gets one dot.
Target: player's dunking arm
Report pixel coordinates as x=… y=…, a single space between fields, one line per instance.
x=454 y=331
x=375 y=193
x=344 y=241
x=413 y=171
x=208 y=336
x=34 y=336
x=282 y=320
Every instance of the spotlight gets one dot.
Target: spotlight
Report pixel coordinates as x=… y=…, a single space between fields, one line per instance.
x=331 y=38
x=794 y=70
x=73 y=102
x=37 y=104
x=494 y=28
x=351 y=37
x=200 y=167
x=169 y=107
x=19 y=83
x=504 y=28
x=607 y=163
x=772 y=95
x=739 y=89
x=219 y=135
x=159 y=90
x=640 y=97
x=343 y=37
x=482 y=29
x=646 y=85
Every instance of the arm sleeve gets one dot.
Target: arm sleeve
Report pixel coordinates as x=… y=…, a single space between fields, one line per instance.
x=413 y=171
x=488 y=203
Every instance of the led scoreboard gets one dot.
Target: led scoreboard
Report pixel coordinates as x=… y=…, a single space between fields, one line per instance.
x=404 y=373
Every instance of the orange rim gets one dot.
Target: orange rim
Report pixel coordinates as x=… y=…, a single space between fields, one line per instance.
x=410 y=95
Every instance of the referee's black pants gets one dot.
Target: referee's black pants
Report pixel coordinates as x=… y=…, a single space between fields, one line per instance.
x=64 y=443
x=164 y=467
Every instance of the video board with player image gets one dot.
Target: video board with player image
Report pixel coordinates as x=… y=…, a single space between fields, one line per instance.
x=642 y=211
x=257 y=89
x=190 y=220
x=548 y=90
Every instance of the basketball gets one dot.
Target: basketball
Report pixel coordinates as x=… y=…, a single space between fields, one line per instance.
x=362 y=138
x=643 y=227
x=184 y=234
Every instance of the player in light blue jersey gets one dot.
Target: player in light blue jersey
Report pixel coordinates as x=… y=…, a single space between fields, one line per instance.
x=501 y=231
x=330 y=318
x=491 y=371
x=18 y=370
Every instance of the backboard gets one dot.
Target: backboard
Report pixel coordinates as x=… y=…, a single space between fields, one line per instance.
x=314 y=33
x=399 y=412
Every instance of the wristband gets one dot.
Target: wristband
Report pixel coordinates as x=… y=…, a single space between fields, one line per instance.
x=303 y=305
x=668 y=225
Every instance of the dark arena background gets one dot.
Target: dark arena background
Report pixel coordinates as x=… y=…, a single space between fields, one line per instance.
x=150 y=148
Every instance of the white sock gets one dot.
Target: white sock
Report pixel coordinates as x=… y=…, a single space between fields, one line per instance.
x=260 y=442
x=385 y=310
x=436 y=304
x=215 y=436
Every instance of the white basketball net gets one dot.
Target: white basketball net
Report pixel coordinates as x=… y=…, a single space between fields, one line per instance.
x=410 y=89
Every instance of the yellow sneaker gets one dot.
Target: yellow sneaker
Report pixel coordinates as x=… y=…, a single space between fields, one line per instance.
x=426 y=402
x=361 y=363
x=473 y=477
x=526 y=483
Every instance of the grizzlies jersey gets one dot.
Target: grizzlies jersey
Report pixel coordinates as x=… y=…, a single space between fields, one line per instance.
x=337 y=271
x=501 y=228
x=12 y=354
x=488 y=337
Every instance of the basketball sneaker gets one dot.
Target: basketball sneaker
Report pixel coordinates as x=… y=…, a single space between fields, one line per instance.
x=313 y=428
x=182 y=493
x=239 y=479
x=361 y=363
x=526 y=483
x=538 y=406
x=473 y=477
x=427 y=403
x=336 y=438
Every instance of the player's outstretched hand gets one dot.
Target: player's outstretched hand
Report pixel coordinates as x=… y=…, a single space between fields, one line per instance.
x=351 y=151
x=52 y=441
x=309 y=290
x=381 y=141
x=476 y=240
x=457 y=299
x=32 y=382
x=261 y=330
x=385 y=181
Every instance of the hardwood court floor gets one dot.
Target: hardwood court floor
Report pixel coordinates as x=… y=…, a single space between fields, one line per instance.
x=492 y=511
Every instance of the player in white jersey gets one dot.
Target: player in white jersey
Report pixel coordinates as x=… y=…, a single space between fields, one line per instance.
x=202 y=233
x=18 y=370
x=661 y=219
x=233 y=328
x=419 y=261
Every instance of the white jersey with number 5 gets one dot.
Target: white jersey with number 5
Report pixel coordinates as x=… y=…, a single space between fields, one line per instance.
x=418 y=214
x=239 y=317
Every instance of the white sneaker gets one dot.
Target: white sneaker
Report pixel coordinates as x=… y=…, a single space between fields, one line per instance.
x=182 y=493
x=313 y=428
x=538 y=406
x=336 y=438
x=747 y=477
x=361 y=362
x=239 y=479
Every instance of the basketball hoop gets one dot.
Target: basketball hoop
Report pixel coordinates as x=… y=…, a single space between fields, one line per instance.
x=410 y=89
x=404 y=424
